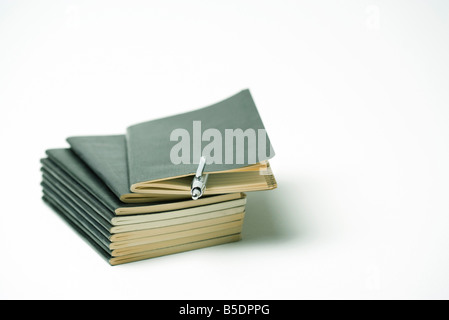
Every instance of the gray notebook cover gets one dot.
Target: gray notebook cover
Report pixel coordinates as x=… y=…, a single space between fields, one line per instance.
x=149 y=145
x=107 y=157
x=80 y=226
x=72 y=166
x=98 y=214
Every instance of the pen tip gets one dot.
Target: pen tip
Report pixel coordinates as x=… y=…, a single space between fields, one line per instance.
x=196 y=194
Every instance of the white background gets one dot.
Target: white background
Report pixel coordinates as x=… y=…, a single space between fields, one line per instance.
x=354 y=96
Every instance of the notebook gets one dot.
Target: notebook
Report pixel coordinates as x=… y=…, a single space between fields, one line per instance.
x=74 y=193
x=163 y=154
x=64 y=165
x=141 y=251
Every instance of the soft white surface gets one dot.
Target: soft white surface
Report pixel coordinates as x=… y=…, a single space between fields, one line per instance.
x=354 y=95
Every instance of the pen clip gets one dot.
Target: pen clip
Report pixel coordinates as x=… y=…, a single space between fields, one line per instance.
x=199 y=181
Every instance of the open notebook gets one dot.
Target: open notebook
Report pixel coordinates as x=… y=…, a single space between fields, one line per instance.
x=158 y=159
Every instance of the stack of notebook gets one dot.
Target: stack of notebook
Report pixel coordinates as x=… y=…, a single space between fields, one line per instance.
x=130 y=195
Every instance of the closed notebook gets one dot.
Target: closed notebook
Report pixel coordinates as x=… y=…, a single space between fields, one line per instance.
x=144 y=251
x=163 y=154
x=223 y=211
x=78 y=195
x=149 y=241
x=67 y=168
x=106 y=156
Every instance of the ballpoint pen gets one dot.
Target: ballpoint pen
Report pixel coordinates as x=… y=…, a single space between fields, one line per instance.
x=199 y=181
